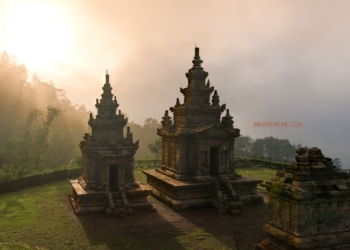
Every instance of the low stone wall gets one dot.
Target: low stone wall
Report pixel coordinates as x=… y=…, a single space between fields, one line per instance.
x=250 y=162
x=242 y=163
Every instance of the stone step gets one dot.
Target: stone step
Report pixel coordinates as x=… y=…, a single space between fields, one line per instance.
x=117 y=201
x=219 y=209
x=235 y=212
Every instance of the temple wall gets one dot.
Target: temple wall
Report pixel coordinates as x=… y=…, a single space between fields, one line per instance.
x=91 y=170
x=171 y=154
x=202 y=120
x=179 y=120
x=130 y=168
x=231 y=156
x=314 y=217
x=193 y=156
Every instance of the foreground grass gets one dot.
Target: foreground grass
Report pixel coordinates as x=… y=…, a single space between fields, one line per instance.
x=39 y=218
x=19 y=246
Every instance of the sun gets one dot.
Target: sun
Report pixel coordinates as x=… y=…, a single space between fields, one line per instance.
x=36 y=34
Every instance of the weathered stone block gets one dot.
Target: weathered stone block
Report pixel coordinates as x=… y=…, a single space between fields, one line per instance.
x=312 y=215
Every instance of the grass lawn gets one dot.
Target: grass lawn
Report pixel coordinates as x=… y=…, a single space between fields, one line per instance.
x=257 y=172
x=38 y=217
x=41 y=217
x=139 y=176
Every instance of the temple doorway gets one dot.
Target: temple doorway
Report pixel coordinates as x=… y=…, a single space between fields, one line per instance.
x=113 y=177
x=214 y=161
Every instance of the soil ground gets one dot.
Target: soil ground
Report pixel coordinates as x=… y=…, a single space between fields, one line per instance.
x=181 y=229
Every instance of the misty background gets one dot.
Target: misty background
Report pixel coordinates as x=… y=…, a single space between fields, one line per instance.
x=270 y=61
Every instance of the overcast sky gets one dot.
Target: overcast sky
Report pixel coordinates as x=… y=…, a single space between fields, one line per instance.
x=270 y=61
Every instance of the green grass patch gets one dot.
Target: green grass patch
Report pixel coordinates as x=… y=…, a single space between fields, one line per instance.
x=257 y=172
x=18 y=246
x=147 y=163
x=195 y=235
x=41 y=218
x=141 y=177
x=37 y=217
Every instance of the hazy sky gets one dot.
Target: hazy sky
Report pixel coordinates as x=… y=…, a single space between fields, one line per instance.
x=271 y=61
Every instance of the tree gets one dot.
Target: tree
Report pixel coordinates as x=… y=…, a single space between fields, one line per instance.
x=243 y=145
x=33 y=134
x=27 y=151
x=156 y=148
x=5 y=58
x=13 y=106
x=145 y=134
x=151 y=123
x=274 y=148
x=337 y=163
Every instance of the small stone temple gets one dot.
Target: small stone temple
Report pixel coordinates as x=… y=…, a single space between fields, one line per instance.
x=197 y=155
x=107 y=183
x=309 y=205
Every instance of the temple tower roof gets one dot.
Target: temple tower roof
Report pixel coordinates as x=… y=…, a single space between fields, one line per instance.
x=107 y=122
x=107 y=105
x=196 y=109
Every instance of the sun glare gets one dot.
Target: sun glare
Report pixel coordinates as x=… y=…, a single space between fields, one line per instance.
x=36 y=34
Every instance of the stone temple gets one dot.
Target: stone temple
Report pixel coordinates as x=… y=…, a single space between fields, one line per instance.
x=309 y=205
x=107 y=183
x=198 y=152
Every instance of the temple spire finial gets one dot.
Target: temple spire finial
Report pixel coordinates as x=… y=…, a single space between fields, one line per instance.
x=107 y=77
x=227 y=121
x=208 y=83
x=197 y=60
x=215 y=100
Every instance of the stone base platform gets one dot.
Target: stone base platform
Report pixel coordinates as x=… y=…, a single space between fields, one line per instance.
x=284 y=241
x=90 y=201
x=179 y=194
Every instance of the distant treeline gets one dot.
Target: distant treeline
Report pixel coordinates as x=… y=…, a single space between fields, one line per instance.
x=266 y=148
x=270 y=149
x=145 y=134
x=39 y=126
